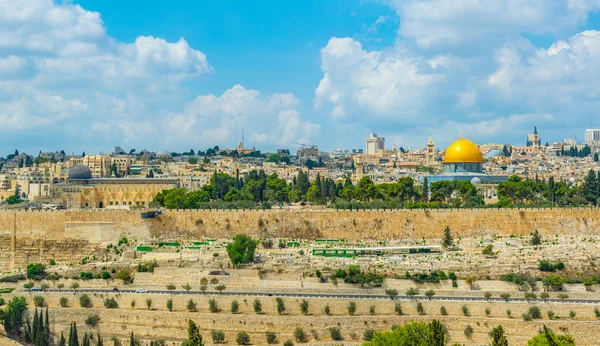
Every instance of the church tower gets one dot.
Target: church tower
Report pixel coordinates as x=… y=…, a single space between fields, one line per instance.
x=536 y=139
x=430 y=151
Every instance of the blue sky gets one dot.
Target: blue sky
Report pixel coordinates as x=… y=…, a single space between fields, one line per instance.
x=87 y=75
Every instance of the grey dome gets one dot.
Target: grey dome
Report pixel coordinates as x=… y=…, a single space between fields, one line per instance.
x=80 y=172
x=494 y=153
x=163 y=153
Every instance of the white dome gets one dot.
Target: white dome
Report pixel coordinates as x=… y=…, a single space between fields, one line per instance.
x=476 y=181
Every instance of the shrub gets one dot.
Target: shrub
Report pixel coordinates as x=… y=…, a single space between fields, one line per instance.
x=351 y=309
x=454 y=283
x=535 y=312
x=443 y=311
x=13 y=278
x=288 y=342
x=327 y=309
x=85 y=301
x=505 y=296
x=392 y=293
x=335 y=333
x=452 y=276
x=527 y=317
x=597 y=312
x=488 y=311
x=304 y=307
x=398 y=309
x=465 y=310
x=563 y=296
x=60 y=285
x=572 y=314
x=63 y=302
x=111 y=303
x=44 y=286
x=241 y=249
x=191 y=306
x=36 y=271
x=271 y=337
x=429 y=294
x=550 y=314
x=280 y=305
x=171 y=287
x=2 y=302
x=39 y=301
x=372 y=310
x=487 y=295
x=267 y=243
x=242 y=338
x=257 y=306
x=368 y=334
x=508 y=313
x=547 y=266
x=544 y=296
x=412 y=292
x=75 y=285
x=132 y=304
x=530 y=296
x=28 y=284
x=92 y=320
x=149 y=303
x=146 y=267
x=212 y=305
x=86 y=275
x=220 y=288
x=187 y=287
x=299 y=335
x=124 y=275
x=217 y=336
x=170 y=304
x=468 y=331
x=420 y=308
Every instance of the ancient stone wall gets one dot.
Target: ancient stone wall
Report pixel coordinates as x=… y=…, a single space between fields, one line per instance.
x=32 y=236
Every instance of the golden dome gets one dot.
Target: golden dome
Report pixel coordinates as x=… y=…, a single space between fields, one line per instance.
x=462 y=150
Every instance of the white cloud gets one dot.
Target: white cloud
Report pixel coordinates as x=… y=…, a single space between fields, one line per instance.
x=443 y=23
x=271 y=119
x=381 y=84
x=379 y=21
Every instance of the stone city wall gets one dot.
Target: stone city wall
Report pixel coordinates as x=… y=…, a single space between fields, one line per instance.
x=37 y=236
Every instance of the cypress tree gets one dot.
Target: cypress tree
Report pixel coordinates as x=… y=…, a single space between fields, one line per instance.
x=425 y=190
x=99 y=342
x=35 y=328
x=28 y=331
x=62 y=341
x=131 y=340
x=86 y=340
x=47 y=329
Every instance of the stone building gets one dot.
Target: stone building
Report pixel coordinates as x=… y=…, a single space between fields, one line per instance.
x=82 y=190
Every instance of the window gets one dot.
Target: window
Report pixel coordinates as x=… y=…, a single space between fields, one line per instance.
x=111 y=203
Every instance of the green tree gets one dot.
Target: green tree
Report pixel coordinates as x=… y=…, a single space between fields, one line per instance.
x=590 y=187
x=280 y=305
x=548 y=338
x=13 y=316
x=241 y=249
x=536 y=238
x=257 y=306
x=242 y=338
x=412 y=334
x=194 y=337
x=447 y=240
x=351 y=308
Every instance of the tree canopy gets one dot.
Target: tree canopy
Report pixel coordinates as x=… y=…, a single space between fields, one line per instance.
x=241 y=250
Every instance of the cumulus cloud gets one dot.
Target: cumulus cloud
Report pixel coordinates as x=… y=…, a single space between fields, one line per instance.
x=434 y=23
x=271 y=119
x=386 y=84
x=60 y=68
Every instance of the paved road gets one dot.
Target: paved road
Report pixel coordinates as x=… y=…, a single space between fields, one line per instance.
x=335 y=296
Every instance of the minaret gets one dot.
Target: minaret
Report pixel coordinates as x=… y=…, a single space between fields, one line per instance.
x=430 y=151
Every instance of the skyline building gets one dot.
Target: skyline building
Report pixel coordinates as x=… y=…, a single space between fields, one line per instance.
x=374 y=144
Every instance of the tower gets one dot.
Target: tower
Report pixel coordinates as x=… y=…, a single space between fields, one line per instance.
x=535 y=138
x=430 y=151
